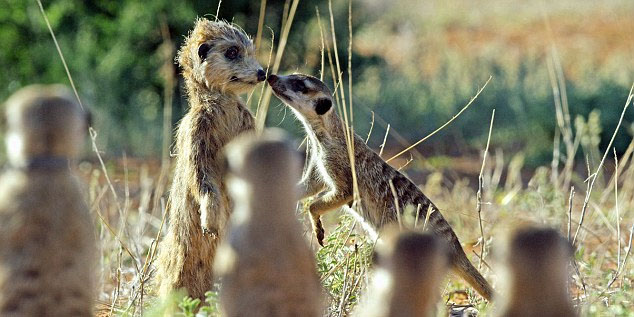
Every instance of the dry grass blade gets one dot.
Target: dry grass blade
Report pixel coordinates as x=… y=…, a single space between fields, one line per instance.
x=258 y=36
x=260 y=116
x=218 y=10
x=371 y=127
x=446 y=123
x=59 y=51
x=398 y=208
x=594 y=176
x=479 y=193
x=620 y=266
x=387 y=131
x=616 y=206
x=570 y=200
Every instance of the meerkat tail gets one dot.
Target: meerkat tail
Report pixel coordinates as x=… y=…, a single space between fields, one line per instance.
x=470 y=274
x=459 y=261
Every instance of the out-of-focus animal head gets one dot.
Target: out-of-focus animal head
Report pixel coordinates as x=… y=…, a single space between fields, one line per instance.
x=44 y=121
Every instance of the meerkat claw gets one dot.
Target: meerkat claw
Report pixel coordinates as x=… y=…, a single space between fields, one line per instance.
x=319 y=232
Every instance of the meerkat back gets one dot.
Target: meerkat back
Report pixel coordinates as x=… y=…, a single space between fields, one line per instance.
x=536 y=274
x=266 y=266
x=409 y=267
x=47 y=242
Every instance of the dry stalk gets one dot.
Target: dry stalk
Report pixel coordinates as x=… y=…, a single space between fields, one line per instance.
x=479 y=193
x=594 y=176
x=218 y=9
x=371 y=127
x=616 y=206
x=446 y=123
x=387 y=131
x=398 y=209
x=570 y=200
x=258 y=36
x=620 y=266
x=345 y=284
x=427 y=214
x=260 y=116
x=417 y=215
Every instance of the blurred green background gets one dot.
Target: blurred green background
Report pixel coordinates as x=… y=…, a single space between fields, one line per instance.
x=415 y=64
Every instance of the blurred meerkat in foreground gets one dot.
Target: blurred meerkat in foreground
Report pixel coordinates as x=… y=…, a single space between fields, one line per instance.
x=218 y=64
x=311 y=101
x=536 y=274
x=406 y=282
x=47 y=243
x=265 y=263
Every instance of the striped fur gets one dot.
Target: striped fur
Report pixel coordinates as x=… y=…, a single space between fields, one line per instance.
x=330 y=170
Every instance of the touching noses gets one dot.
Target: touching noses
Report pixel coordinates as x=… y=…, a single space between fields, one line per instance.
x=261 y=75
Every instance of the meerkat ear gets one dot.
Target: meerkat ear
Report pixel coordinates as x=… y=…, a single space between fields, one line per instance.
x=322 y=105
x=203 y=49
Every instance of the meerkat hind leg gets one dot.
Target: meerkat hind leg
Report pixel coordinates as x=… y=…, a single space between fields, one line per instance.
x=322 y=205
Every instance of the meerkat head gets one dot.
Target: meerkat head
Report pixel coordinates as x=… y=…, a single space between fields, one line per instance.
x=407 y=253
x=219 y=55
x=44 y=121
x=536 y=264
x=306 y=94
x=266 y=168
x=414 y=263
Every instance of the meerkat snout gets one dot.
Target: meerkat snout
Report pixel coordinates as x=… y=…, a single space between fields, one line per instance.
x=261 y=74
x=272 y=79
x=44 y=121
x=304 y=93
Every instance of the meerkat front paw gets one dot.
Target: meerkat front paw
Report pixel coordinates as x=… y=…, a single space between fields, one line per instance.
x=206 y=223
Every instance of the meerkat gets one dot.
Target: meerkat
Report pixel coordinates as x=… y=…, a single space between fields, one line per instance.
x=311 y=102
x=47 y=242
x=218 y=64
x=536 y=274
x=265 y=263
x=406 y=281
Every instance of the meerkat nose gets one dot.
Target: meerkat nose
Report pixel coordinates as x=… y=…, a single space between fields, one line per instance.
x=272 y=79
x=261 y=75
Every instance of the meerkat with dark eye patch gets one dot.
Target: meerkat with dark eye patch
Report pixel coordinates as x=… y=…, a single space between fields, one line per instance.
x=311 y=102
x=536 y=274
x=218 y=63
x=265 y=263
x=409 y=267
x=47 y=242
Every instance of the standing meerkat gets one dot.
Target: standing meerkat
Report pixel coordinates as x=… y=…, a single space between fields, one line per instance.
x=47 y=242
x=218 y=64
x=311 y=101
x=536 y=274
x=406 y=281
x=265 y=263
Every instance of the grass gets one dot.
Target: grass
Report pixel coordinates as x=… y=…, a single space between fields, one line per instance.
x=127 y=199
x=344 y=264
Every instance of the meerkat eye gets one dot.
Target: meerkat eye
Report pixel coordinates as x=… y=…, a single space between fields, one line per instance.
x=231 y=53
x=298 y=85
x=203 y=49
x=322 y=105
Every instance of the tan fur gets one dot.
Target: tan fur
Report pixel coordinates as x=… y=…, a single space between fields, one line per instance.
x=536 y=274
x=47 y=243
x=198 y=204
x=407 y=276
x=266 y=266
x=330 y=170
